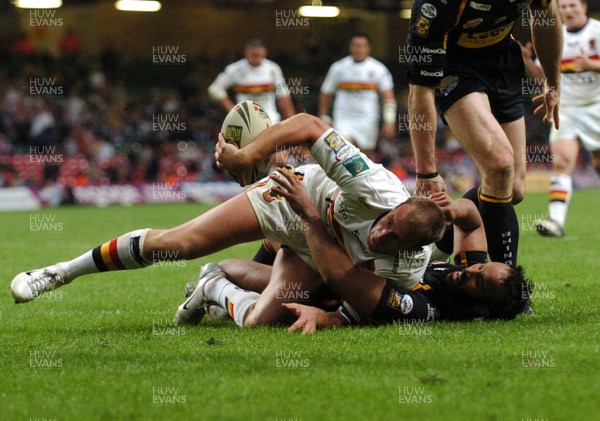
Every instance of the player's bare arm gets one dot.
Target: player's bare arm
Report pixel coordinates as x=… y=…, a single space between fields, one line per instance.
x=361 y=289
x=421 y=107
x=531 y=67
x=324 y=106
x=388 y=113
x=312 y=318
x=297 y=130
x=547 y=42
x=469 y=232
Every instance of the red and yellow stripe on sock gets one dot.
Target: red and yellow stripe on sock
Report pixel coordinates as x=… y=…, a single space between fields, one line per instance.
x=106 y=257
x=558 y=195
x=229 y=306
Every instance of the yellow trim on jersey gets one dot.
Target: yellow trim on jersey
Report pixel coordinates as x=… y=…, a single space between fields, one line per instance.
x=253 y=89
x=424 y=287
x=357 y=86
x=461 y=9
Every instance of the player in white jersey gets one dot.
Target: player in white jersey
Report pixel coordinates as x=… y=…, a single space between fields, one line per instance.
x=357 y=81
x=579 y=108
x=382 y=229
x=254 y=78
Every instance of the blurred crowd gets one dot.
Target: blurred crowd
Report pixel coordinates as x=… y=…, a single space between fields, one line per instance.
x=76 y=120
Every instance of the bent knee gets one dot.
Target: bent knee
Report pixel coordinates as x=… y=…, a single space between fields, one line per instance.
x=518 y=194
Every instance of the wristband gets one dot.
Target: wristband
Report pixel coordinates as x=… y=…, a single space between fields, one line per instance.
x=427 y=176
x=388 y=112
x=326 y=119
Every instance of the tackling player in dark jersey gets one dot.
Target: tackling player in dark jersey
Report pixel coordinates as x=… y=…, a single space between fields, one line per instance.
x=474 y=288
x=465 y=61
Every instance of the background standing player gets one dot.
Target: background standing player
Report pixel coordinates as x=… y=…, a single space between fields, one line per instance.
x=580 y=108
x=254 y=78
x=356 y=81
x=466 y=63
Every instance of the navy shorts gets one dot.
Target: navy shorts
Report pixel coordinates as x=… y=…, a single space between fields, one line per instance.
x=499 y=75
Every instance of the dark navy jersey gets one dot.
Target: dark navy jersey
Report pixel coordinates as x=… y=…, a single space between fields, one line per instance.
x=428 y=300
x=442 y=30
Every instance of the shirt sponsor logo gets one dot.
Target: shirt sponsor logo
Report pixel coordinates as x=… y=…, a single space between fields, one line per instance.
x=448 y=84
x=406 y=304
x=439 y=73
x=485 y=39
x=339 y=147
x=428 y=10
x=422 y=26
x=394 y=299
x=355 y=165
x=472 y=23
x=356 y=235
x=481 y=7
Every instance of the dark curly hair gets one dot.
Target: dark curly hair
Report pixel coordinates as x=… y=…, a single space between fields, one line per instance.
x=515 y=299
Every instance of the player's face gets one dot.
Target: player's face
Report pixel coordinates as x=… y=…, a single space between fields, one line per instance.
x=391 y=233
x=480 y=282
x=359 y=48
x=573 y=13
x=255 y=55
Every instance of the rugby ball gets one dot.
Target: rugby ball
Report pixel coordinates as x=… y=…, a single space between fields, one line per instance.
x=241 y=125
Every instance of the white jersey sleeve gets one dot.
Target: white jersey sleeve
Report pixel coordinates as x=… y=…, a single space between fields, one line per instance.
x=329 y=85
x=281 y=89
x=226 y=79
x=343 y=162
x=386 y=81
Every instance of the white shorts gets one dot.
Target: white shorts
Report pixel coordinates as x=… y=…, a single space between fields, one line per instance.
x=363 y=132
x=579 y=122
x=278 y=221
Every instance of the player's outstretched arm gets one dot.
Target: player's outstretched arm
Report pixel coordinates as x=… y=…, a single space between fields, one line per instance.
x=421 y=107
x=547 y=42
x=312 y=318
x=297 y=130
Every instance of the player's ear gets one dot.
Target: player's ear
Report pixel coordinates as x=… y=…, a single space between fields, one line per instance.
x=481 y=310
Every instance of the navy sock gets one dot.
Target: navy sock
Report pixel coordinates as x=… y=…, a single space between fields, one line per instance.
x=501 y=228
x=473 y=195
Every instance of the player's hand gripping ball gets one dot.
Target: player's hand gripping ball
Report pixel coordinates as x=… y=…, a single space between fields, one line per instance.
x=243 y=123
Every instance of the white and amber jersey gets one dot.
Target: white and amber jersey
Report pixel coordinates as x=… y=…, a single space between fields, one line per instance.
x=262 y=84
x=356 y=86
x=351 y=193
x=583 y=88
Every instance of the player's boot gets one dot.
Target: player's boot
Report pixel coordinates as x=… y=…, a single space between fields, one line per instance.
x=195 y=307
x=26 y=286
x=214 y=310
x=549 y=228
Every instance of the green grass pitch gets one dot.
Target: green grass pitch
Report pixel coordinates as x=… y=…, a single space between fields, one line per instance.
x=102 y=348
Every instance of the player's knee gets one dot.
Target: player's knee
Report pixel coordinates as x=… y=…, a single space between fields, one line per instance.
x=499 y=164
x=500 y=170
x=518 y=193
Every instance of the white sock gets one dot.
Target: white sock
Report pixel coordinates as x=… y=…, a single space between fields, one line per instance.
x=234 y=299
x=124 y=252
x=561 y=188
